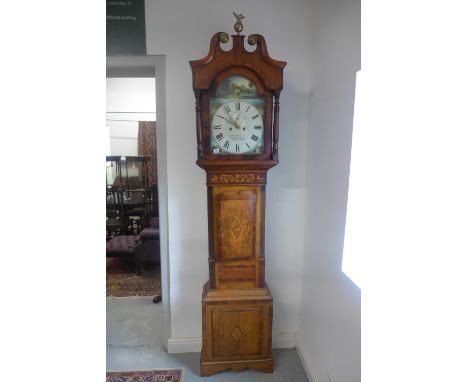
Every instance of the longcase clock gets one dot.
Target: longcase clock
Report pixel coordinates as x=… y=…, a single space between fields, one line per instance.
x=237 y=123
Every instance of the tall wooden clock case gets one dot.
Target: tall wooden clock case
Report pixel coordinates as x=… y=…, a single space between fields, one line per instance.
x=237 y=123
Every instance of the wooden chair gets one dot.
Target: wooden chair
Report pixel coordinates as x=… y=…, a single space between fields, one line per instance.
x=116 y=220
x=154 y=202
x=136 y=205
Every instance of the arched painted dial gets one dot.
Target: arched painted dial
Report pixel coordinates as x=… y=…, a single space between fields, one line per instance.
x=237 y=127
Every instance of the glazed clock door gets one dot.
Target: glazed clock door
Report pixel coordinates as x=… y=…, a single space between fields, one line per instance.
x=236 y=117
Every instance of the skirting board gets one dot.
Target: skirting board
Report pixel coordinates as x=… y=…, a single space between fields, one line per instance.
x=194 y=344
x=312 y=376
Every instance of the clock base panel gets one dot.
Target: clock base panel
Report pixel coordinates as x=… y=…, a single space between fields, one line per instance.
x=210 y=368
x=237 y=327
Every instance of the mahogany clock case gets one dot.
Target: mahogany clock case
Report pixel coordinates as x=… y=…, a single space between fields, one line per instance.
x=237 y=306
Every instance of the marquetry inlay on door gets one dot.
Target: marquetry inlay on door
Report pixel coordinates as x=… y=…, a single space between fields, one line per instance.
x=238 y=332
x=237 y=224
x=237 y=234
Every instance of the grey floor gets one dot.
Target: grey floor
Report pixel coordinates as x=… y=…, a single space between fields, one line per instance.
x=134 y=343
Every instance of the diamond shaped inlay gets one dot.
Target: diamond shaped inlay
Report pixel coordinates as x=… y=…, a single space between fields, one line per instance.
x=236 y=228
x=236 y=333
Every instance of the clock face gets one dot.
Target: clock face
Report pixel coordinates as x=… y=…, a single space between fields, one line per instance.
x=237 y=128
x=236 y=115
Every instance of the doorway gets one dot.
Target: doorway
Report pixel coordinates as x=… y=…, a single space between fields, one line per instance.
x=137 y=89
x=132 y=216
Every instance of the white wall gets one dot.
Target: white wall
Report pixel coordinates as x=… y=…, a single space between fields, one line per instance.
x=128 y=100
x=329 y=335
x=130 y=95
x=123 y=137
x=181 y=30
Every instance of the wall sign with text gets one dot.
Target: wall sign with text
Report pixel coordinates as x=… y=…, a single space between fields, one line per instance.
x=125 y=27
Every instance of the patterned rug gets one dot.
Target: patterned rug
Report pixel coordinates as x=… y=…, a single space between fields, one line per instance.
x=170 y=375
x=122 y=281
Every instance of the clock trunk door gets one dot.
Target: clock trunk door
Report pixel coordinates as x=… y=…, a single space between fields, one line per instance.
x=237 y=219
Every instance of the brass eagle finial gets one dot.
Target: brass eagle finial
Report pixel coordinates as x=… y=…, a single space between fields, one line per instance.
x=238 y=25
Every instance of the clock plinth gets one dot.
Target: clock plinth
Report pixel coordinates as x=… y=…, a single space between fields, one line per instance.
x=236 y=330
x=237 y=125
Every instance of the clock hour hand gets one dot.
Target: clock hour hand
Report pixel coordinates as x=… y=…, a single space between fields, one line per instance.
x=238 y=123
x=232 y=122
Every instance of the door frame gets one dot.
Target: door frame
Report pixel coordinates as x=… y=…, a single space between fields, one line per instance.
x=154 y=66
